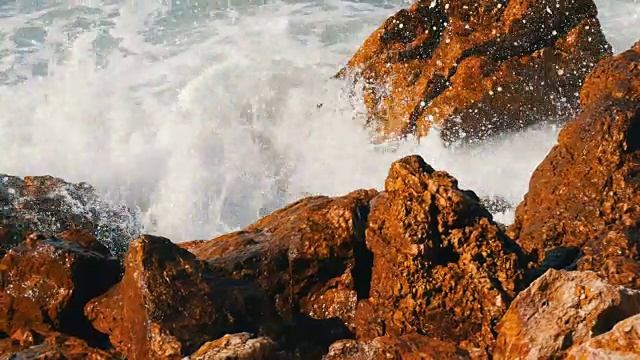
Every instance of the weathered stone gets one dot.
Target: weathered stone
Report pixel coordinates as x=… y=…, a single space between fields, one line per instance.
x=618 y=77
x=48 y=206
x=474 y=68
x=620 y=343
x=168 y=303
x=584 y=198
x=561 y=309
x=33 y=345
x=406 y=347
x=309 y=257
x=45 y=282
x=441 y=267
x=237 y=347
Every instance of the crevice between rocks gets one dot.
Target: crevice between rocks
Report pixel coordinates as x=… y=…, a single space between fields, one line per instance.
x=363 y=257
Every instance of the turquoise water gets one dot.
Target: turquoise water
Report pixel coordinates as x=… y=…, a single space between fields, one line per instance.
x=203 y=114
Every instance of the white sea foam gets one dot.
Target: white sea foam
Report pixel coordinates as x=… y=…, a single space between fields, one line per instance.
x=204 y=115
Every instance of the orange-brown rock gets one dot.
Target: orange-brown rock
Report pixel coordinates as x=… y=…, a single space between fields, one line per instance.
x=441 y=267
x=168 y=303
x=618 y=77
x=30 y=345
x=621 y=342
x=49 y=206
x=237 y=347
x=406 y=347
x=45 y=283
x=584 y=199
x=310 y=257
x=477 y=67
x=561 y=309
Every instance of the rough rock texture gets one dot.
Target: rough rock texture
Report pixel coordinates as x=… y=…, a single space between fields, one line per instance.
x=168 y=303
x=45 y=282
x=237 y=347
x=477 y=67
x=584 y=199
x=441 y=267
x=29 y=345
x=561 y=309
x=618 y=77
x=49 y=205
x=621 y=343
x=310 y=258
x=406 y=347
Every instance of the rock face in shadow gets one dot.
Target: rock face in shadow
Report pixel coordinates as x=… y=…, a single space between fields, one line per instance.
x=559 y=310
x=409 y=347
x=49 y=206
x=441 y=267
x=474 y=68
x=45 y=283
x=583 y=205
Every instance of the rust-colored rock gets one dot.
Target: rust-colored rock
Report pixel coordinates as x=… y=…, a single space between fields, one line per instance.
x=406 y=347
x=584 y=198
x=441 y=267
x=622 y=342
x=48 y=206
x=310 y=257
x=477 y=67
x=45 y=282
x=49 y=345
x=168 y=303
x=618 y=77
x=237 y=347
x=561 y=309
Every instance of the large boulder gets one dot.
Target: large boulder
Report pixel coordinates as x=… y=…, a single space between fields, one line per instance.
x=169 y=303
x=473 y=68
x=559 y=310
x=49 y=205
x=45 y=283
x=310 y=257
x=583 y=205
x=441 y=266
x=621 y=342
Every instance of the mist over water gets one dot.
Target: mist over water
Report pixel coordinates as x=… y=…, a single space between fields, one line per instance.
x=204 y=115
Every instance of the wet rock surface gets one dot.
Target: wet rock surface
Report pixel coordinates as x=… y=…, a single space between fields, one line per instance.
x=474 y=68
x=45 y=283
x=49 y=205
x=582 y=209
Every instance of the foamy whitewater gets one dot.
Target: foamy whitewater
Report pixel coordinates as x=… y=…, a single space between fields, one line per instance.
x=203 y=115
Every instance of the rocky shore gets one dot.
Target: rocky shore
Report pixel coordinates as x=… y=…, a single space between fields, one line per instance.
x=419 y=270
